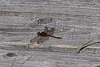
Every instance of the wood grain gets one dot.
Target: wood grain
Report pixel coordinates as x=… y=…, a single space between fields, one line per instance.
x=76 y=21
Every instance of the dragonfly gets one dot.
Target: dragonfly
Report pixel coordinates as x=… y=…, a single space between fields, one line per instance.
x=44 y=36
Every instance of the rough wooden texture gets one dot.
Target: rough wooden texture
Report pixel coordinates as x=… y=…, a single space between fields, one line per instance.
x=48 y=59
x=76 y=21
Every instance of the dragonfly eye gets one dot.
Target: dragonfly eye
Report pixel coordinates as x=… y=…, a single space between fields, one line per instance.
x=38 y=33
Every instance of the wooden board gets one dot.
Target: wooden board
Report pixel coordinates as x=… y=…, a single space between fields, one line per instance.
x=76 y=21
x=48 y=59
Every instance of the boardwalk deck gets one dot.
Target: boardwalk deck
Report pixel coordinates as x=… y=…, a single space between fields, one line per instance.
x=76 y=21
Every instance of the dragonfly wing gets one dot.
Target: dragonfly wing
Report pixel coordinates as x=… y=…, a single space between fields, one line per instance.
x=46 y=29
x=35 y=39
x=51 y=31
x=42 y=39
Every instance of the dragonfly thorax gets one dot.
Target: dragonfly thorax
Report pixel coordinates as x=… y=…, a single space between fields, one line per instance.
x=42 y=34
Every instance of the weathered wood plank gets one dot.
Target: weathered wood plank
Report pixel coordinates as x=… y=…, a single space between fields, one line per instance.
x=50 y=59
x=53 y=6
x=74 y=28
x=76 y=21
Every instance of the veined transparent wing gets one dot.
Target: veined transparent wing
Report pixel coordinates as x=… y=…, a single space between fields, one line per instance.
x=51 y=31
x=42 y=39
x=35 y=39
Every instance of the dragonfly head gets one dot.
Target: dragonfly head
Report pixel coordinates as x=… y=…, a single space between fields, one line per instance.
x=38 y=33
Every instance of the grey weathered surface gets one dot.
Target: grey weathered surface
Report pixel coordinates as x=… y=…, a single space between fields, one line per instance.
x=49 y=59
x=76 y=21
